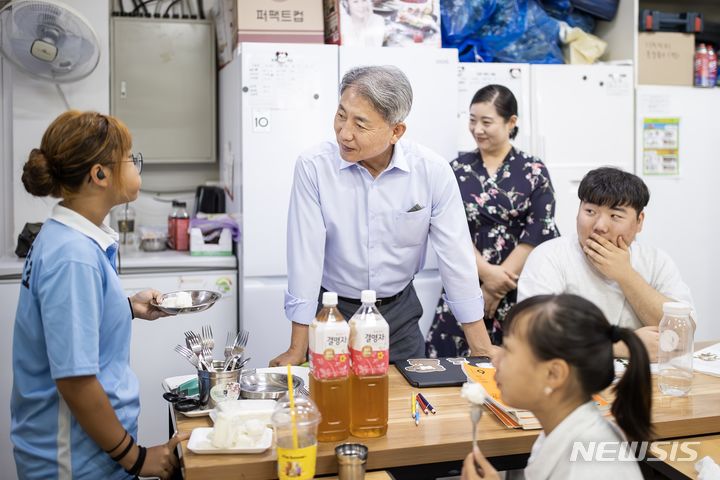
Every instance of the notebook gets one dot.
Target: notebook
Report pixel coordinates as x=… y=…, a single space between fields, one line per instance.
x=511 y=417
x=436 y=372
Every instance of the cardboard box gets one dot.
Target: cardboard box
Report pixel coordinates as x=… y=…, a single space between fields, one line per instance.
x=224 y=15
x=665 y=58
x=375 y=23
x=286 y=21
x=199 y=247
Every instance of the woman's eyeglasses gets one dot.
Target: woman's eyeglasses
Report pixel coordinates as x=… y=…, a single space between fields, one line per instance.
x=137 y=160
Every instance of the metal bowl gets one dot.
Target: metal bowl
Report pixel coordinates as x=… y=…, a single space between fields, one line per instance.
x=267 y=385
x=153 y=244
x=201 y=300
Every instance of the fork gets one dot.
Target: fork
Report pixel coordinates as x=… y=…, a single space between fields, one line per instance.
x=195 y=343
x=188 y=354
x=242 y=338
x=475 y=416
x=303 y=391
x=208 y=343
x=228 y=346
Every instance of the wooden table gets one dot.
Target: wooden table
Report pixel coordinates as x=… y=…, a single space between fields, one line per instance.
x=681 y=467
x=443 y=437
x=446 y=436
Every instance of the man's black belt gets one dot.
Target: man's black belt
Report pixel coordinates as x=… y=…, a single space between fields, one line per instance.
x=378 y=302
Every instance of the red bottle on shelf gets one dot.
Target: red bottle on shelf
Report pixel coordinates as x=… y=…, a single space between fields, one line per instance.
x=712 y=65
x=178 y=225
x=702 y=66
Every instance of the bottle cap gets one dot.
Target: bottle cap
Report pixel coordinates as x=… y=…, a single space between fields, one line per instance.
x=329 y=298
x=367 y=296
x=676 y=308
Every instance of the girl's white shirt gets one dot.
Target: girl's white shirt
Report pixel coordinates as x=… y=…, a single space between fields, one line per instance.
x=551 y=457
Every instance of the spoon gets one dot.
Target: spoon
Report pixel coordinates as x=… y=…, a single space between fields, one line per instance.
x=475 y=415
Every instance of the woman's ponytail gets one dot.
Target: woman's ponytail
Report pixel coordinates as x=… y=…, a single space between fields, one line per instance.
x=633 y=402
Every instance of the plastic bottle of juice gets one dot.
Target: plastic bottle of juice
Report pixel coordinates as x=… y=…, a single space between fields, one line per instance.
x=712 y=65
x=370 y=355
x=329 y=368
x=178 y=224
x=702 y=66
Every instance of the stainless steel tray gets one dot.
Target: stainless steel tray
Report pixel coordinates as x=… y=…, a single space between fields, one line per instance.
x=267 y=385
x=201 y=300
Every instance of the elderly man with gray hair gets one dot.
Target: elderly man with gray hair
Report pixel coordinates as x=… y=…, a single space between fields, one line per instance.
x=362 y=209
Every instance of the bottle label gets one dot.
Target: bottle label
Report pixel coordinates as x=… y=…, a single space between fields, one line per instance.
x=182 y=241
x=329 y=350
x=669 y=340
x=369 y=350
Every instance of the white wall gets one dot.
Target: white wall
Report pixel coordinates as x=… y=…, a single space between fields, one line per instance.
x=37 y=103
x=6 y=223
x=681 y=217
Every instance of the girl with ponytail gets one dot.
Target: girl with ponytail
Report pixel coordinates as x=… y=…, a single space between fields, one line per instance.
x=558 y=352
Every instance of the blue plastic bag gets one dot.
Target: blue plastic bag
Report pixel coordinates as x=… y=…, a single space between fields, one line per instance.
x=508 y=30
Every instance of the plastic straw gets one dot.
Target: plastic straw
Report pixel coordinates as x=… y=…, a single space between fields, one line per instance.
x=291 y=394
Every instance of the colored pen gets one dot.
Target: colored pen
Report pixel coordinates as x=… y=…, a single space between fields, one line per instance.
x=429 y=405
x=422 y=404
x=417 y=414
x=412 y=405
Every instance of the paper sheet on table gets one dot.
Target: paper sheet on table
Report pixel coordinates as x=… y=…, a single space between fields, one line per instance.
x=707 y=469
x=621 y=365
x=707 y=360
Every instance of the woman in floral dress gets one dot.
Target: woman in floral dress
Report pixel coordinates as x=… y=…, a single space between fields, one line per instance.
x=510 y=206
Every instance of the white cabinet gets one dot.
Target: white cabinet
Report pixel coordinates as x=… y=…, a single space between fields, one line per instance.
x=152 y=357
x=162 y=85
x=9 y=292
x=263 y=316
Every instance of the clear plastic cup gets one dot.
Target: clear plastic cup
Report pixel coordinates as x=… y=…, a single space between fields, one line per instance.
x=296 y=448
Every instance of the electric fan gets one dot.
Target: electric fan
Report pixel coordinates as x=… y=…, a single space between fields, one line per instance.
x=48 y=40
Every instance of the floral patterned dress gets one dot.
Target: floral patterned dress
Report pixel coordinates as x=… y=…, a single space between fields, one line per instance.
x=516 y=205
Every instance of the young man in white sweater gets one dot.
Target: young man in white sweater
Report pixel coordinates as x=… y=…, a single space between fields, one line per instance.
x=628 y=280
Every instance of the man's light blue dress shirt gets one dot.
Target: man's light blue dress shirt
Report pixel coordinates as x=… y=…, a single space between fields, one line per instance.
x=348 y=231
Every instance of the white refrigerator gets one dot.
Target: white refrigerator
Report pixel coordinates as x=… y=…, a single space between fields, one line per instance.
x=681 y=216
x=573 y=117
x=275 y=101
x=581 y=118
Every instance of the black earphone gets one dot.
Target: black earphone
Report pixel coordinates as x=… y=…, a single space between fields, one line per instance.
x=101 y=174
